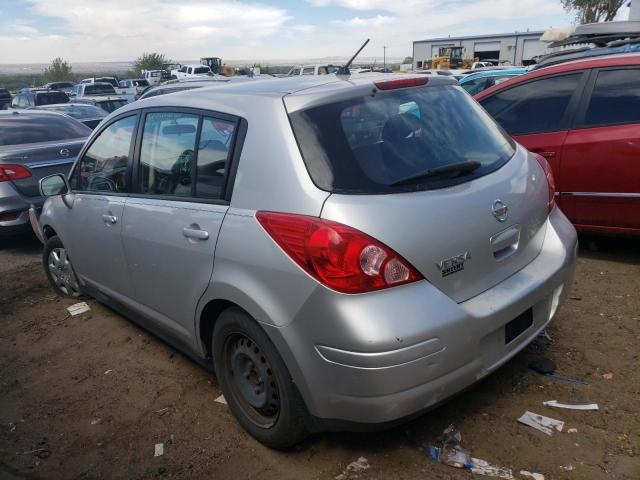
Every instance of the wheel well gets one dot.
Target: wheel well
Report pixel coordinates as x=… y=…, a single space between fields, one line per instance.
x=48 y=232
x=210 y=314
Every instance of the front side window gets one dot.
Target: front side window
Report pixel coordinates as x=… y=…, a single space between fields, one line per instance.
x=308 y=71
x=387 y=141
x=103 y=168
x=533 y=107
x=615 y=98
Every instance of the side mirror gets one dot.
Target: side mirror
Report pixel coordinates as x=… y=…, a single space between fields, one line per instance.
x=54 y=185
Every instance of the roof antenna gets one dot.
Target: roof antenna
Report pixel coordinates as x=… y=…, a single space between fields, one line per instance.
x=344 y=70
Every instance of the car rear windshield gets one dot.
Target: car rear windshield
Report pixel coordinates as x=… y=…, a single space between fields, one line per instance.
x=80 y=111
x=19 y=129
x=96 y=89
x=388 y=141
x=50 y=98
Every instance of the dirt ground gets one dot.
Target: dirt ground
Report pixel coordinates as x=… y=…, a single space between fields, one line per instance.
x=89 y=396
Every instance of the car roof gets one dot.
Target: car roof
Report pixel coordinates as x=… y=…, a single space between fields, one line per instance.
x=574 y=65
x=99 y=98
x=31 y=113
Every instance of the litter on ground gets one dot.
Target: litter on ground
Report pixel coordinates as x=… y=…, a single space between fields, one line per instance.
x=547 y=367
x=572 y=430
x=357 y=466
x=158 y=450
x=567 y=468
x=540 y=422
x=535 y=476
x=607 y=376
x=571 y=406
x=221 y=399
x=482 y=467
x=78 y=308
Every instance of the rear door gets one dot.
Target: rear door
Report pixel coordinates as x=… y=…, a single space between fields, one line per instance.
x=100 y=182
x=173 y=218
x=600 y=169
x=538 y=114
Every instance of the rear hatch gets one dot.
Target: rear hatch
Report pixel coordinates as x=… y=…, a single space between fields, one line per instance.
x=426 y=171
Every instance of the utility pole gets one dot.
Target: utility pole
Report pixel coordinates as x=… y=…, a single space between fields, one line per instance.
x=384 y=58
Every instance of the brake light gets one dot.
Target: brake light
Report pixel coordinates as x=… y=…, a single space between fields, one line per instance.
x=13 y=172
x=402 y=83
x=338 y=256
x=551 y=200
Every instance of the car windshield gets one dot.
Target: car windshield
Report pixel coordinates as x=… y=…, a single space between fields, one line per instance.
x=49 y=98
x=19 y=129
x=374 y=143
x=111 y=105
x=98 y=89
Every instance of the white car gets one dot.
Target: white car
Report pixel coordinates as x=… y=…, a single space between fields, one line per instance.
x=317 y=69
x=111 y=80
x=154 y=77
x=132 y=86
x=190 y=71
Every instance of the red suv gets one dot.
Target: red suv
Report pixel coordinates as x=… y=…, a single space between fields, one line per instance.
x=584 y=118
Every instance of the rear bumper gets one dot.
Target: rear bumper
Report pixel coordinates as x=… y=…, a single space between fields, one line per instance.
x=14 y=210
x=377 y=358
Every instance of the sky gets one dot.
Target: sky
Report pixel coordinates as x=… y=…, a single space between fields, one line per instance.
x=36 y=31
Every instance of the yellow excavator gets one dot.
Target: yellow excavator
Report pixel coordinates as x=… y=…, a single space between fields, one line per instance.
x=451 y=57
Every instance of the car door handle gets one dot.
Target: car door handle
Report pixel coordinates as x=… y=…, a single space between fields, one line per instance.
x=109 y=219
x=544 y=153
x=195 y=233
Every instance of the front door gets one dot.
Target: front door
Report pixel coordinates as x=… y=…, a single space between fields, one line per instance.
x=601 y=159
x=172 y=222
x=99 y=182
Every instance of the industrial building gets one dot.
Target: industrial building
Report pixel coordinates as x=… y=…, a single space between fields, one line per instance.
x=516 y=48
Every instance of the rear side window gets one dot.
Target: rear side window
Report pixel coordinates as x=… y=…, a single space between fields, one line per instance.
x=19 y=129
x=615 y=98
x=369 y=144
x=171 y=165
x=103 y=168
x=533 y=107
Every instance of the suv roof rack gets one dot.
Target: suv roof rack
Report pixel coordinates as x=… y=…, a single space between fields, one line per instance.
x=616 y=47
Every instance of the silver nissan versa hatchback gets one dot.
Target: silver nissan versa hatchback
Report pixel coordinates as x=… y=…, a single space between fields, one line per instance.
x=344 y=251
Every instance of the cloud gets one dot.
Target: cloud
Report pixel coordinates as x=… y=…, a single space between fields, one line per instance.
x=305 y=28
x=376 y=21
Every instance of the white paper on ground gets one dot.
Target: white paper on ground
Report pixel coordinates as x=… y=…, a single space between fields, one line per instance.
x=159 y=450
x=482 y=467
x=571 y=406
x=540 y=422
x=535 y=476
x=78 y=308
x=221 y=399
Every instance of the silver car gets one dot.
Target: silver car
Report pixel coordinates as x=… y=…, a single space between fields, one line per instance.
x=345 y=252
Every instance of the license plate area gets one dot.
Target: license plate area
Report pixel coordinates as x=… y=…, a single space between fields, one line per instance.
x=515 y=327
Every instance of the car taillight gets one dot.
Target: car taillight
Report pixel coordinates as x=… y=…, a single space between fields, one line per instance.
x=340 y=257
x=551 y=201
x=13 y=172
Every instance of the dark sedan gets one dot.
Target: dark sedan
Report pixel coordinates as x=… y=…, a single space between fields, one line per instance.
x=33 y=144
x=90 y=115
x=5 y=99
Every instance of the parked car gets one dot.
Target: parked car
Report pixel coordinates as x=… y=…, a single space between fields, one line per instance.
x=584 y=117
x=153 y=77
x=132 y=86
x=65 y=87
x=88 y=89
x=316 y=69
x=35 y=97
x=108 y=103
x=457 y=74
x=190 y=71
x=5 y=99
x=113 y=81
x=477 y=82
x=33 y=145
x=339 y=261
x=174 y=86
x=90 y=115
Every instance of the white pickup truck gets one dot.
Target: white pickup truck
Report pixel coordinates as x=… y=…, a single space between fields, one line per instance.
x=191 y=71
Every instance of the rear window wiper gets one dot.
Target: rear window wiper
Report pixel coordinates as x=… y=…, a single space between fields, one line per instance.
x=459 y=168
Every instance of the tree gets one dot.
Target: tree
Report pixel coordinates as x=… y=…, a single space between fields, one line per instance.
x=58 y=71
x=149 y=61
x=591 y=11
x=407 y=60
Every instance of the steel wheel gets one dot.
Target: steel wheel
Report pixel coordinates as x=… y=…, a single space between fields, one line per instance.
x=62 y=273
x=252 y=381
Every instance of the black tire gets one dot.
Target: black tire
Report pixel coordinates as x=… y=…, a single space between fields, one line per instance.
x=282 y=421
x=60 y=273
